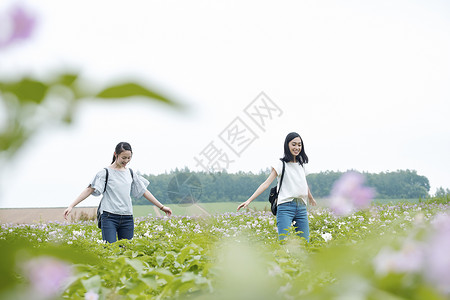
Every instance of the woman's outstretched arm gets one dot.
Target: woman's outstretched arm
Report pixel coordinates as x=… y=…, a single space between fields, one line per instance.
x=260 y=189
x=149 y=196
x=84 y=194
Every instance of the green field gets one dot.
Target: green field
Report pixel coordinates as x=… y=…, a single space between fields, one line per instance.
x=395 y=201
x=367 y=254
x=199 y=209
x=224 y=207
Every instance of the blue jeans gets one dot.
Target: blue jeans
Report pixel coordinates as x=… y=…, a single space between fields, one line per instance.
x=292 y=211
x=117 y=227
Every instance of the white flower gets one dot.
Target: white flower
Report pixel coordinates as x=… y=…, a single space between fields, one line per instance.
x=327 y=236
x=275 y=270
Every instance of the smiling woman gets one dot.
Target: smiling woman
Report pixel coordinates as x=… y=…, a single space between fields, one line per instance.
x=294 y=194
x=117 y=183
x=122 y=154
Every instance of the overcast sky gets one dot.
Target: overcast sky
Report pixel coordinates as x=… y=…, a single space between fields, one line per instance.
x=365 y=83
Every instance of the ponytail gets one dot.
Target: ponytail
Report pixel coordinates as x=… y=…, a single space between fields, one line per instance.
x=121 y=147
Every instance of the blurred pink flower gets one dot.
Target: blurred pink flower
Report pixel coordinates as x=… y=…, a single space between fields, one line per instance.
x=24 y=23
x=341 y=206
x=21 y=24
x=430 y=258
x=47 y=275
x=409 y=259
x=349 y=193
x=91 y=296
x=437 y=267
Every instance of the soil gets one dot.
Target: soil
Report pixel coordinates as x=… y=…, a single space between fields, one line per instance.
x=44 y=215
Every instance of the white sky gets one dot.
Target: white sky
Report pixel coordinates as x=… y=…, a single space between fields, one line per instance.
x=366 y=84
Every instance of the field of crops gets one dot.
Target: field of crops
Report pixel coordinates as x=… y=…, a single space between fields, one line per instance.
x=395 y=251
x=198 y=208
x=214 y=208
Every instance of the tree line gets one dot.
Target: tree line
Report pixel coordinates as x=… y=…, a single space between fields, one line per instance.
x=184 y=186
x=401 y=184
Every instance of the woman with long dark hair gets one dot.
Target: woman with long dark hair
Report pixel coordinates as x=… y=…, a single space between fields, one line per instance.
x=117 y=183
x=294 y=194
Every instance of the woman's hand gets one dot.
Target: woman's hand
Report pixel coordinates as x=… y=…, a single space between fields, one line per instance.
x=84 y=194
x=259 y=190
x=243 y=205
x=167 y=210
x=67 y=212
x=311 y=199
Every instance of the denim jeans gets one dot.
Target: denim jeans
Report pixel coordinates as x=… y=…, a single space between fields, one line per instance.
x=117 y=227
x=292 y=211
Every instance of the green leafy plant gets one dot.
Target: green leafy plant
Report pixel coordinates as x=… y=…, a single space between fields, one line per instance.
x=229 y=255
x=31 y=103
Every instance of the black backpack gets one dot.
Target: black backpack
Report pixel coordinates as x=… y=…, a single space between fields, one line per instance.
x=273 y=196
x=99 y=219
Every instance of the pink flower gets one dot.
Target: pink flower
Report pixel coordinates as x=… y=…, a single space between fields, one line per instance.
x=47 y=275
x=24 y=23
x=430 y=258
x=349 y=193
x=21 y=25
x=91 y=296
x=409 y=259
x=437 y=267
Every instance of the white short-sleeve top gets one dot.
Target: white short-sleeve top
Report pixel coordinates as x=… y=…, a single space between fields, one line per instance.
x=121 y=186
x=294 y=182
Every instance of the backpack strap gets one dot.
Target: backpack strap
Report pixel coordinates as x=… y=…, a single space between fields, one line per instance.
x=132 y=175
x=106 y=179
x=282 y=176
x=100 y=204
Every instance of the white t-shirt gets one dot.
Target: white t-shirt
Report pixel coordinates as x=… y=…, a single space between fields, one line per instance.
x=294 y=182
x=120 y=186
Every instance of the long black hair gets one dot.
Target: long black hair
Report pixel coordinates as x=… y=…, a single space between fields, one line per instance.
x=121 y=147
x=302 y=158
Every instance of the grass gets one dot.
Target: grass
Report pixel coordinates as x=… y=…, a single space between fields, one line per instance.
x=215 y=208
x=199 y=209
x=395 y=201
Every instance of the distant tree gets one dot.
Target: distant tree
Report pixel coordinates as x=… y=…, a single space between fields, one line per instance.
x=238 y=187
x=401 y=184
x=441 y=192
x=321 y=183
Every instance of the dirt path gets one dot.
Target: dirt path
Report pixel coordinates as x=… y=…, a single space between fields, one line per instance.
x=43 y=215
x=55 y=214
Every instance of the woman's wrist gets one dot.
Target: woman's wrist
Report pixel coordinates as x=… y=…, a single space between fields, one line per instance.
x=161 y=208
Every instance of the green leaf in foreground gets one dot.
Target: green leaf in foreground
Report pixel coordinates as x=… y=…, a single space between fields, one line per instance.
x=30 y=104
x=132 y=90
x=27 y=90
